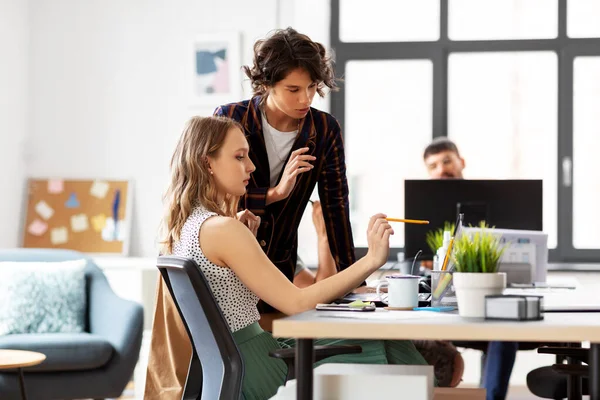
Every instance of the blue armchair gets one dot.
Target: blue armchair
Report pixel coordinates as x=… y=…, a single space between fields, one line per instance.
x=95 y=364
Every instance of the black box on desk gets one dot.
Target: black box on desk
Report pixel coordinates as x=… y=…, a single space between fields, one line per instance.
x=510 y=307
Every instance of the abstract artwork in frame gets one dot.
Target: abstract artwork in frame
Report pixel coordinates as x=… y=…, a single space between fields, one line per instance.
x=217 y=69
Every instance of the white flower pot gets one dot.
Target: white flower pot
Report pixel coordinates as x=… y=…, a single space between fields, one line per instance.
x=471 y=289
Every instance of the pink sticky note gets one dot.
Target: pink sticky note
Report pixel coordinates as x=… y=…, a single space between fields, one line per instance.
x=37 y=227
x=55 y=186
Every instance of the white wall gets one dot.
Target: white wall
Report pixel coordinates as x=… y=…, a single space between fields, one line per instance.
x=14 y=65
x=110 y=85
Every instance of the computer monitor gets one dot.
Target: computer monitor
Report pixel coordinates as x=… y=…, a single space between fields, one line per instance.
x=506 y=204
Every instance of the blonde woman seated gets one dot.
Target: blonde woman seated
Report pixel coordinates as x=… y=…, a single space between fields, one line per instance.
x=209 y=172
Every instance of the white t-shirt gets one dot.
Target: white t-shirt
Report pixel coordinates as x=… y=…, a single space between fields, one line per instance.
x=278 y=146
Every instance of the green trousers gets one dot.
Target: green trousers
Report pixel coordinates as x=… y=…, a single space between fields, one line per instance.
x=263 y=374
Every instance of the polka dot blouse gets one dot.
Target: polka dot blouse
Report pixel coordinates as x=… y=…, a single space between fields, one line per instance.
x=236 y=301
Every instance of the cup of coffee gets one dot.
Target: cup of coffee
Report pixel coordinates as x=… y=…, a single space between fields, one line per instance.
x=403 y=291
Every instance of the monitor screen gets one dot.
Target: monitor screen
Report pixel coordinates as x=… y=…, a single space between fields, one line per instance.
x=507 y=204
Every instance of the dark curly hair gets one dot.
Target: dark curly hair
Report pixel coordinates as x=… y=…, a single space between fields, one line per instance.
x=283 y=51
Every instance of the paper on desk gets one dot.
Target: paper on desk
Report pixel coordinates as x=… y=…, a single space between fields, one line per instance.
x=385 y=315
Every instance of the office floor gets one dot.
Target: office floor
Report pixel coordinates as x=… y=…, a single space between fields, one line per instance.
x=515 y=393
x=522 y=393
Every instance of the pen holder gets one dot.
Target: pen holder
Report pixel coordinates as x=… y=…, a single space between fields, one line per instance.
x=442 y=289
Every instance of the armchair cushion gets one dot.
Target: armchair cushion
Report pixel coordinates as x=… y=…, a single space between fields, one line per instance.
x=64 y=351
x=42 y=297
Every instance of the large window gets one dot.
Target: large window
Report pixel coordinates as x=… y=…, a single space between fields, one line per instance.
x=586 y=148
x=582 y=18
x=379 y=141
x=502 y=19
x=404 y=20
x=516 y=84
x=498 y=108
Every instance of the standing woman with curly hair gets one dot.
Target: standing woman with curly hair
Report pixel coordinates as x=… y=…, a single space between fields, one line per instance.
x=295 y=147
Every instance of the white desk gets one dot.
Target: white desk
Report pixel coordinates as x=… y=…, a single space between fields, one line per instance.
x=410 y=325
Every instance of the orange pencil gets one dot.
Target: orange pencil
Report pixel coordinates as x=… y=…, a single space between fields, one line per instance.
x=408 y=221
x=445 y=265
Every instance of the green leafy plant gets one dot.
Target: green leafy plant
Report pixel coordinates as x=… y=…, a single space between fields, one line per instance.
x=435 y=238
x=479 y=251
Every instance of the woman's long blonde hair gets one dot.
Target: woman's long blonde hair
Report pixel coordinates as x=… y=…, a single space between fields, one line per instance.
x=191 y=183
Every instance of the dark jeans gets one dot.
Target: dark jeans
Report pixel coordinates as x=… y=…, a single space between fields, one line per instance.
x=499 y=361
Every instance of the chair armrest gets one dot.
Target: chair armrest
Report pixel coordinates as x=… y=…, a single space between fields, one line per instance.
x=577 y=353
x=321 y=352
x=574 y=370
x=119 y=321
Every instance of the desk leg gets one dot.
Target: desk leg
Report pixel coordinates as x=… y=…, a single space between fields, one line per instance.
x=22 y=384
x=573 y=381
x=594 y=369
x=304 y=369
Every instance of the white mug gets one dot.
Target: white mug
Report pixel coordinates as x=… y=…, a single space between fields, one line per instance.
x=403 y=291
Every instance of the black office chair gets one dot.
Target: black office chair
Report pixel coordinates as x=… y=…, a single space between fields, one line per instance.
x=561 y=380
x=216 y=370
x=482 y=346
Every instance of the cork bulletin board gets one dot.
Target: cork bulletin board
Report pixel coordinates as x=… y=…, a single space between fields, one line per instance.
x=90 y=216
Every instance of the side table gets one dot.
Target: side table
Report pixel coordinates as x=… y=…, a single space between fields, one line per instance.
x=19 y=359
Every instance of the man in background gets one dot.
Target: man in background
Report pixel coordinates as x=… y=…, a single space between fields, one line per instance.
x=443 y=161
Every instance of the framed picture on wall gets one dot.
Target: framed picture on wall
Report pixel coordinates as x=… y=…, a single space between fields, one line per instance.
x=217 y=74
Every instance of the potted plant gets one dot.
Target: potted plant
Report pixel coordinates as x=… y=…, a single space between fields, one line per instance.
x=435 y=238
x=476 y=256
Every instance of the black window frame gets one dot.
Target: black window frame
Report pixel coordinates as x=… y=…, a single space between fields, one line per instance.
x=438 y=52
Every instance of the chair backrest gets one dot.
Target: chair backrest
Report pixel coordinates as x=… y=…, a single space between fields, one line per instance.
x=222 y=367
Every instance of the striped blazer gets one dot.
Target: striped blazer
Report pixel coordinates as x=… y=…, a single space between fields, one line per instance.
x=278 y=233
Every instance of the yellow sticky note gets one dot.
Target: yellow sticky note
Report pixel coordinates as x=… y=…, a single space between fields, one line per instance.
x=98 y=222
x=79 y=223
x=59 y=235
